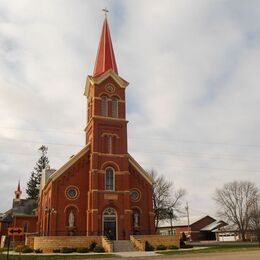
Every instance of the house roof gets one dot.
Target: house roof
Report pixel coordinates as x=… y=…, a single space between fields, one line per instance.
x=23 y=207
x=214 y=225
x=182 y=221
x=227 y=228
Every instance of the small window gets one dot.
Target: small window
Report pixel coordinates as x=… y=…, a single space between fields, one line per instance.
x=134 y=195
x=109 y=144
x=114 y=107
x=72 y=192
x=109 y=181
x=26 y=227
x=104 y=106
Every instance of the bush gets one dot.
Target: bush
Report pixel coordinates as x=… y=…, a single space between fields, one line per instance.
x=38 y=251
x=3 y=250
x=99 y=249
x=82 y=250
x=27 y=249
x=173 y=247
x=161 y=247
x=56 y=250
x=23 y=249
x=18 y=249
x=67 y=250
x=186 y=246
x=148 y=246
x=92 y=245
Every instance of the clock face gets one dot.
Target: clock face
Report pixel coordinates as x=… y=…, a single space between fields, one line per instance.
x=135 y=195
x=110 y=88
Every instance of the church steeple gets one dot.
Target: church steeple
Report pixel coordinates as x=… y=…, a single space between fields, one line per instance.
x=105 y=58
x=18 y=192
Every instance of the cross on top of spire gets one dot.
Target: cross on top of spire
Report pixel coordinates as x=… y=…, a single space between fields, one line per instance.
x=105 y=10
x=105 y=58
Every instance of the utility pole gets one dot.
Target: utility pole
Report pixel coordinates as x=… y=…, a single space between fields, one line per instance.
x=188 y=217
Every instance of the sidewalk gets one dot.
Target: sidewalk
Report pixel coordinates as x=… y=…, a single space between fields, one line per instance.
x=136 y=254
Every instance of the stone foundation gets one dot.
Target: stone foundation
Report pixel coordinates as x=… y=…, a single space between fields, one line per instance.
x=49 y=243
x=154 y=240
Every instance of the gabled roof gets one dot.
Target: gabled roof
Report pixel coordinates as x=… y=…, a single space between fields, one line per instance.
x=214 y=225
x=99 y=79
x=182 y=221
x=69 y=163
x=23 y=207
x=105 y=58
x=137 y=166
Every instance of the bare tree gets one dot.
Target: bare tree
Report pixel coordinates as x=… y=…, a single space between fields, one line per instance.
x=236 y=201
x=165 y=199
x=255 y=221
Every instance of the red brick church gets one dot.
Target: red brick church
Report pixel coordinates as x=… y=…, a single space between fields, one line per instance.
x=101 y=190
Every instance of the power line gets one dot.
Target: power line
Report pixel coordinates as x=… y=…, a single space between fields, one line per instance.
x=184 y=154
x=139 y=137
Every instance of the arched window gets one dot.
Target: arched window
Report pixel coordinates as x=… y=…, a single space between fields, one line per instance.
x=114 y=107
x=109 y=179
x=110 y=223
x=104 y=106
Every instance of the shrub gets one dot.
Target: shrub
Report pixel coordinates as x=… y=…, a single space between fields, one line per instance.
x=148 y=246
x=82 y=250
x=23 y=249
x=92 y=245
x=99 y=249
x=173 y=247
x=67 y=250
x=27 y=249
x=186 y=246
x=161 y=247
x=18 y=248
x=38 y=251
x=2 y=250
x=56 y=250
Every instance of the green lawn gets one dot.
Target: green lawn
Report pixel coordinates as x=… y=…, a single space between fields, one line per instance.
x=55 y=257
x=213 y=249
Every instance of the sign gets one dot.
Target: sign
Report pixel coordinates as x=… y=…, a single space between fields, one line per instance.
x=15 y=231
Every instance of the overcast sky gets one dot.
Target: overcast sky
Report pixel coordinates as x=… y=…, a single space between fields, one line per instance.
x=193 y=101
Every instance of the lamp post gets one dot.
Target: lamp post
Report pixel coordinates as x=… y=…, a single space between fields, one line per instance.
x=49 y=212
x=8 y=220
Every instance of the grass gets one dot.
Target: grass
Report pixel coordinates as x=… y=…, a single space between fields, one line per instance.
x=213 y=249
x=55 y=257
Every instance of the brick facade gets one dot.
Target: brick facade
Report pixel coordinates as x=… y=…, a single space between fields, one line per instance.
x=112 y=193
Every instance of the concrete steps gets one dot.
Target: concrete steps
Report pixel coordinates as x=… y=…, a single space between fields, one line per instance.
x=123 y=246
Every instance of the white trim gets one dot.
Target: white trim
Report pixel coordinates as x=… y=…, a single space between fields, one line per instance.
x=116 y=221
x=69 y=163
x=147 y=176
x=97 y=80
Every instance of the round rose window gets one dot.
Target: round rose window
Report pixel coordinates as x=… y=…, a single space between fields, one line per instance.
x=72 y=193
x=134 y=194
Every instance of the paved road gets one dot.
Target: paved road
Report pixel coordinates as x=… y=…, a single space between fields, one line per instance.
x=251 y=255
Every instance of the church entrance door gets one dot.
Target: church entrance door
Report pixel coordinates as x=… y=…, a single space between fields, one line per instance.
x=110 y=223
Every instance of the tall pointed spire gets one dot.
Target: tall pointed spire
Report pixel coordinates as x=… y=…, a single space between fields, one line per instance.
x=18 y=192
x=18 y=187
x=105 y=58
